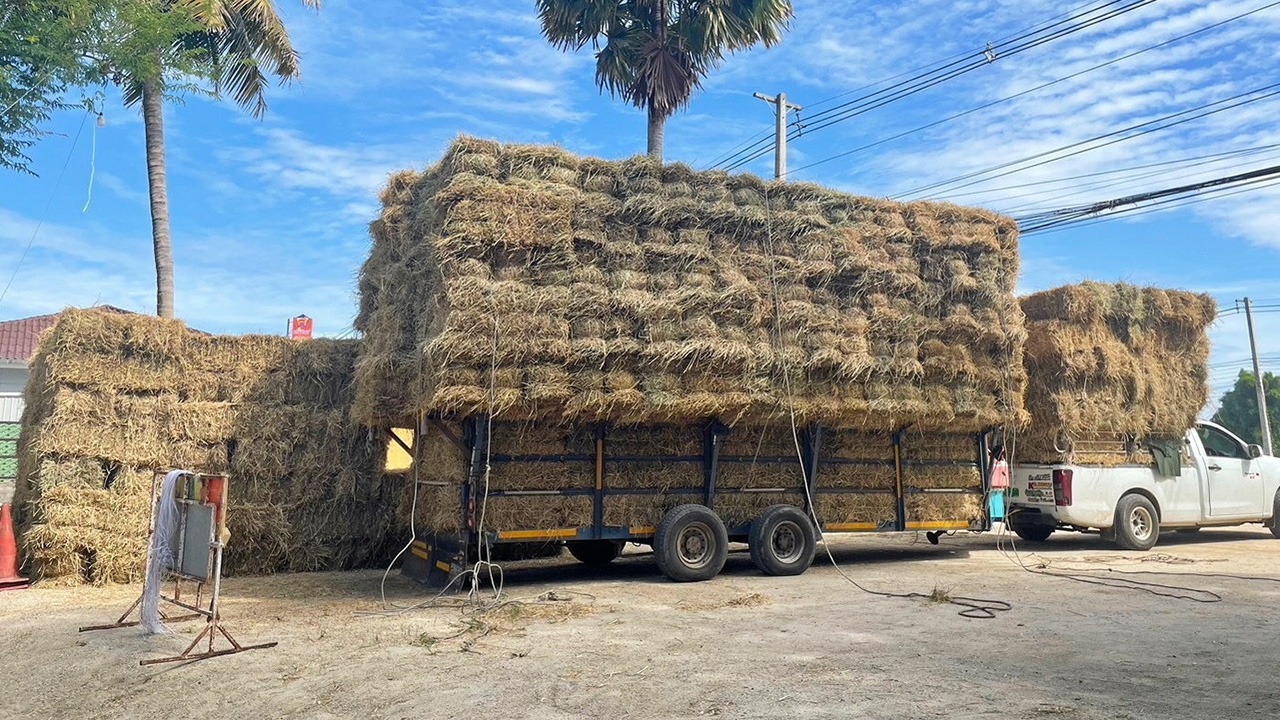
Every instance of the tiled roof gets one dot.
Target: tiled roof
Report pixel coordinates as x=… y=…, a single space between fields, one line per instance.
x=18 y=338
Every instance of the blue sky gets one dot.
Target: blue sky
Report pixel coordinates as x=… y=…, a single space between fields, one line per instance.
x=270 y=217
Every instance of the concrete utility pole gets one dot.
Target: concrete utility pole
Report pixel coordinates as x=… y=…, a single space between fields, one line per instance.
x=782 y=111
x=1263 y=421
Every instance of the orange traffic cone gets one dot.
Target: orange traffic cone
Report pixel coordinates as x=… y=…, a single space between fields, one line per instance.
x=9 y=579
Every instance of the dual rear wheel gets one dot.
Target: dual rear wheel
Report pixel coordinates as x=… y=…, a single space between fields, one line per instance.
x=691 y=543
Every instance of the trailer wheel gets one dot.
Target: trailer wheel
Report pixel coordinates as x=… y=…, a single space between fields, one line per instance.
x=1137 y=524
x=691 y=544
x=595 y=553
x=782 y=541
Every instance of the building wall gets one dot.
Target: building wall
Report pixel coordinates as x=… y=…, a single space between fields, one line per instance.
x=12 y=379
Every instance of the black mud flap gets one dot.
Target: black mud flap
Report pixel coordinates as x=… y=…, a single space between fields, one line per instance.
x=435 y=560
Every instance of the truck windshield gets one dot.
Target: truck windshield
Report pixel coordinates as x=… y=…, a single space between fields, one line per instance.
x=1219 y=444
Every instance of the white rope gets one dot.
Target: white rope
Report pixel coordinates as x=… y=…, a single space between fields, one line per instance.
x=162 y=555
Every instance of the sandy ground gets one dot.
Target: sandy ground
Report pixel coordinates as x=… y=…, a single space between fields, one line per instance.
x=625 y=643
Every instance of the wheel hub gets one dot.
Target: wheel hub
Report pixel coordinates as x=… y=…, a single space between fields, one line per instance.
x=786 y=542
x=694 y=545
x=1140 y=522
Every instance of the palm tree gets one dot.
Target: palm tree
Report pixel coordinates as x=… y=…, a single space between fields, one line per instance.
x=227 y=41
x=654 y=53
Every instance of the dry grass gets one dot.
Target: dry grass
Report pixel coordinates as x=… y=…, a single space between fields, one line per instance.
x=113 y=399
x=1111 y=363
x=642 y=294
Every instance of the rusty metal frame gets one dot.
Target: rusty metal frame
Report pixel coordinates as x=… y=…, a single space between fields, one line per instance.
x=212 y=615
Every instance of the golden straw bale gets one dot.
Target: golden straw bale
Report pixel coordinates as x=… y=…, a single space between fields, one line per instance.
x=659 y=270
x=1112 y=362
x=114 y=399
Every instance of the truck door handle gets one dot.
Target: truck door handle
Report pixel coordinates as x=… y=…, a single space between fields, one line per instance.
x=1215 y=468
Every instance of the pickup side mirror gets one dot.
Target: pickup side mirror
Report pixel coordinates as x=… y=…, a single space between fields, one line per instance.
x=1255 y=451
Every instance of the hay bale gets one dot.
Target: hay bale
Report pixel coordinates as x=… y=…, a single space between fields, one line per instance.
x=639 y=294
x=113 y=399
x=1110 y=364
x=847 y=508
x=944 y=507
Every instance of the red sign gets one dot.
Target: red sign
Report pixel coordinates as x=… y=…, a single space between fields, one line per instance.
x=300 y=328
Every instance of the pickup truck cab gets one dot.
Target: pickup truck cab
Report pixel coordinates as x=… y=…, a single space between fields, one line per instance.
x=1224 y=481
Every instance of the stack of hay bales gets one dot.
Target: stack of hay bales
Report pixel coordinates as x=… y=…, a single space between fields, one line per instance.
x=551 y=290
x=114 y=398
x=1110 y=365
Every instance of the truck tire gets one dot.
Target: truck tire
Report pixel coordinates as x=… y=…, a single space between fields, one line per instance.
x=782 y=541
x=1275 y=516
x=691 y=544
x=1137 y=524
x=595 y=553
x=1031 y=531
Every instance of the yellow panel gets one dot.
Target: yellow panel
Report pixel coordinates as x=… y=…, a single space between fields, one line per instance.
x=444 y=566
x=537 y=534
x=397 y=458
x=644 y=530
x=421 y=554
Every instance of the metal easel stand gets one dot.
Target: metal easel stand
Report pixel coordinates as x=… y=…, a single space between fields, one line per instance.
x=213 y=625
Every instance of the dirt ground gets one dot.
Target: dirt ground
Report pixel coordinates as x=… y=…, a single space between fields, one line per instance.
x=626 y=643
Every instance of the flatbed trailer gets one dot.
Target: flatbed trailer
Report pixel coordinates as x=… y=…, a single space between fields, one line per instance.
x=690 y=542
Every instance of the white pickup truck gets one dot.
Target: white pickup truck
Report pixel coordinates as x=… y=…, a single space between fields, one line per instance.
x=1227 y=482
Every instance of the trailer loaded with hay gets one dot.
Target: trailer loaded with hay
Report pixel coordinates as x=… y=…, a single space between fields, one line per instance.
x=596 y=352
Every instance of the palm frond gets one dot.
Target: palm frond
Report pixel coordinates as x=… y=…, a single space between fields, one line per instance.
x=654 y=53
x=571 y=24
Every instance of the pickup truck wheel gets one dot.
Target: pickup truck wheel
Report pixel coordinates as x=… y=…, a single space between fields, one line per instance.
x=1275 y=516
x=595 y=553
x=1137 y=524
x=782 y=541
x=1031 y=531
x=691 y=544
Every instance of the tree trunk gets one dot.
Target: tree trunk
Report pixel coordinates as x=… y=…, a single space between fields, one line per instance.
x=153 y=121
x=657 y=128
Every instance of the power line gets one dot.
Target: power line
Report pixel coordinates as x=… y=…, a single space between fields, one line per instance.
x=758 y=138
x=1196 y=161
x=1163 y=206
x=926 y=80
x=1037 y=88
x=1054 y=218
x=1062 y=196
x=1112 y=138
x=45 y=212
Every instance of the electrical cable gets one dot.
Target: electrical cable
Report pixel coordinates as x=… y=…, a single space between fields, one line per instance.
x=1194 y=161
x=1047 y=220
x=880 y=99
x=45 y=212
x=1037 y=88
x=1113 y=137
x=1192 y=168
x=758 y=138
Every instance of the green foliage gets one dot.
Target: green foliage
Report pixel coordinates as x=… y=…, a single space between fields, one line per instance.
x=37 y=65
x=49 y=48
x=654 y=53
x=1238 y=410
